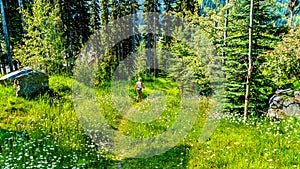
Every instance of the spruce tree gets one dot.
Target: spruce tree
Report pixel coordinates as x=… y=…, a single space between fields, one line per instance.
x=153 y=31
x=43 y=48
x=77 y=26
x=95 y=11
x=186 y=7
x=236 y=52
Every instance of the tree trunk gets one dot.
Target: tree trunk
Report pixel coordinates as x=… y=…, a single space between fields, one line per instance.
x=148 y=38
x=1 y=61
x=6 y=37
x=225 y=31
x=8 y=24
x=249 y=64
x=132 y=11
x=118 y=52
x=291 y=19
x=154 y=51
x=133 y=30
x=71 y=53
x=294 y=9
x=21 y=15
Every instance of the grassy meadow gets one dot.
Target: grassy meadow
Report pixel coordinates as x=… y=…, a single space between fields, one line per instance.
x=45 y=132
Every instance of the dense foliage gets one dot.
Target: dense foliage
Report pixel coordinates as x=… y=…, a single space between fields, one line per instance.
x=42 y=47
x=50 y=35
x=283 y=62
x=265 y=36
x=196 y=44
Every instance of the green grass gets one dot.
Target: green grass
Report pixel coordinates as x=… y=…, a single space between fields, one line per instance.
x=256 y=145
x=46 y=132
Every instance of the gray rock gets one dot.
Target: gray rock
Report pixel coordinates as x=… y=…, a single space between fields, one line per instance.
x=9 y=78
x=30 y=83
x=276 y=102
x=280 y=107
x=284 y=91
x=275 y=114
x=291 y=107
x=297 y=95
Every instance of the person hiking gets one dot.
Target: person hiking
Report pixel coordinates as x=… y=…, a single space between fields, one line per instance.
x=139 y=86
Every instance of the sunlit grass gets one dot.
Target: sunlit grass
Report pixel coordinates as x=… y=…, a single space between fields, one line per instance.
x=258 y=144
x=45 y=132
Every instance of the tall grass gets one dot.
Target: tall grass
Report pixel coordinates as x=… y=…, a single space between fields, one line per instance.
x=45 y=132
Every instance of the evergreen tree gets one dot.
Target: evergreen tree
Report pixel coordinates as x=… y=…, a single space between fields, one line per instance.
x=236 y=51
x=186 y=7
x=153 y=31
x=135 y=39
x=43 y=49
x=75 y=16
x=14 y=22
x=95 y=12
x=123 y=46
x=167 y=29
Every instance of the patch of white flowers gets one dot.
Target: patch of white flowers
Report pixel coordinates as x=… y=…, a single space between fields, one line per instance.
x=20 y=151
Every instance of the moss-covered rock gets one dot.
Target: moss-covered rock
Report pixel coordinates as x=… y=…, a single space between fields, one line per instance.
x=9 y=78
x=30 y=83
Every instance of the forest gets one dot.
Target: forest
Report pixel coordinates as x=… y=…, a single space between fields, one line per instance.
x=221 y=78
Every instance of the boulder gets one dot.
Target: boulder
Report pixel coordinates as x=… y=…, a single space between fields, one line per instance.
x=291 y=107
x=276 y=114
x=282 y=103
x=9 y=78
x=276 y=102
x=284 y=91
x=297 y=95
x=30 y=83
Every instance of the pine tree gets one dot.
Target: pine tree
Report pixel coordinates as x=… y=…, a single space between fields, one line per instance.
x=264 y=38
x=95 y=11
x=135 y=39
x=167 y=29
x=153 y=30
x=43 y=49
x=75 y=16
x=186 y=7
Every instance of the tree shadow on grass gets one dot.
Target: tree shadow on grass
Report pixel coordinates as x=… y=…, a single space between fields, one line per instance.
x=57 y=92
x=177 y=157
